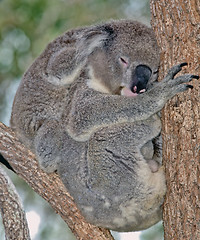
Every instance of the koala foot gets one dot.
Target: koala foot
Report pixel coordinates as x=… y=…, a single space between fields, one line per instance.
x=47 y=146
x=153 y=165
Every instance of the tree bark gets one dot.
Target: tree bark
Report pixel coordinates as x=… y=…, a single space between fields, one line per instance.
x=12 y=212
x=177 y=27
x=49 y=186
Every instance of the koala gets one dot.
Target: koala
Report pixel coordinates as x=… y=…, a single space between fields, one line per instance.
x=88 y=107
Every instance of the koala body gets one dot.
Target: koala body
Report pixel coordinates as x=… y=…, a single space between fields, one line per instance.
x=89 y=109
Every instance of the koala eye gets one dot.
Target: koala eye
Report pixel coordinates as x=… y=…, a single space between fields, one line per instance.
x=123 y=61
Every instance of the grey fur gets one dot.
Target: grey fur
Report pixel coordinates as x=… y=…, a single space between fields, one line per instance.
x=70 y=111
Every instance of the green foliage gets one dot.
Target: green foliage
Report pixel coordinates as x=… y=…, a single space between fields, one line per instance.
x=28 y=25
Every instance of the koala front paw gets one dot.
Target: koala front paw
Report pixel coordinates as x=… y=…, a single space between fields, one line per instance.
x=170 y=86
x=176 y=85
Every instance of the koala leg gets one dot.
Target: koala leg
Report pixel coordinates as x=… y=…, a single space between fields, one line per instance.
x=152 y=152
x=122 y=190
x=122 y=147
x=48 y=143
x=110 y=180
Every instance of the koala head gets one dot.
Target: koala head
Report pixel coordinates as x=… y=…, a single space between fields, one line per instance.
x=122 y=57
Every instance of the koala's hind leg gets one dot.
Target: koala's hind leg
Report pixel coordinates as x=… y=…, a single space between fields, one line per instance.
x=120 y=149
x=121 y=180
x=152 y=152
x=48 y=143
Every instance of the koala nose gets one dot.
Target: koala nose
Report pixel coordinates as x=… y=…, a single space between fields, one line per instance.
x=140 y=78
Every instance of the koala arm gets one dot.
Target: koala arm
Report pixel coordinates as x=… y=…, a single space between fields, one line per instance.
x=91 y=109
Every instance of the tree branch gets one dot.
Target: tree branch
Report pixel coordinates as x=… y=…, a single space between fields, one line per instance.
x=12 y=212
x=49 y=186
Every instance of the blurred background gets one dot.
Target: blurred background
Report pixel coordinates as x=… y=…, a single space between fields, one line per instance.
x=26 y=26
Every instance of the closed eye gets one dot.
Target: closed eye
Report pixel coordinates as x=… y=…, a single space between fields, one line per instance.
x=123 y=61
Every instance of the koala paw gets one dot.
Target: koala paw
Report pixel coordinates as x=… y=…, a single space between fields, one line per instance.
x=47 y=146
x=170 y=86
x=48 y=158
x=175 y=85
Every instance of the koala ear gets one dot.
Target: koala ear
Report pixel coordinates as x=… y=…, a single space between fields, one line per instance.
x=93 y=38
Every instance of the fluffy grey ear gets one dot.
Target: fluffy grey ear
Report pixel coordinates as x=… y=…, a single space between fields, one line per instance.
x=93 y=38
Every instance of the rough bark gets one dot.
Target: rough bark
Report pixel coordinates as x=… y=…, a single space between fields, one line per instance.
x=12 y=212
x=49 y=186
x=177 y=27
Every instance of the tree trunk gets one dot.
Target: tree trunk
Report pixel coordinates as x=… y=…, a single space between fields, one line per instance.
x=49 y=186
x=177 y=27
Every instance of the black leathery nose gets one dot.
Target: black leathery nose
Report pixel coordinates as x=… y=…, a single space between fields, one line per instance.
x=140 y=77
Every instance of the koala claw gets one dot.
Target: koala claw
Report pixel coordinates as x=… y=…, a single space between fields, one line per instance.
x=182 y=88
x=174 y=70
x=169 y=79
x=183 y=64
x=185 y=78
x=195 y=77
x=189 y=86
